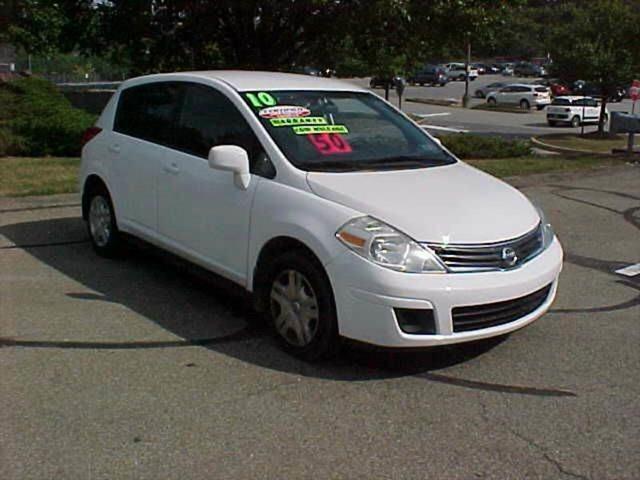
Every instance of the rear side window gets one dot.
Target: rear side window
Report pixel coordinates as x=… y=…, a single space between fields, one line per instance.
x=148 y=111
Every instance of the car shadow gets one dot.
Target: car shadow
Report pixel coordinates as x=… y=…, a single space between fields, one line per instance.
x=201 y=309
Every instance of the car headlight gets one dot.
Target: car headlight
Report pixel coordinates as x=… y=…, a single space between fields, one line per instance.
x=547 y=230
x=385 y=246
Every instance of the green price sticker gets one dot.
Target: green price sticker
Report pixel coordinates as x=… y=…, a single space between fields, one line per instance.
x=306 y=130
x=261 y=99
x=290 y=122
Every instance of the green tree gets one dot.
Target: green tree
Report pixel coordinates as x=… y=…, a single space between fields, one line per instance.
x=592 y=44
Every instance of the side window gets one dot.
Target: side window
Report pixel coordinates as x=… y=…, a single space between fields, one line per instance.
x=523 y=89
x=148 y=111
x=506 y=90
x=208 y=118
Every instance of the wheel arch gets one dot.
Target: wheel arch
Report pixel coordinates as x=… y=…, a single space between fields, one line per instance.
x=91 y=182
x=268 y=253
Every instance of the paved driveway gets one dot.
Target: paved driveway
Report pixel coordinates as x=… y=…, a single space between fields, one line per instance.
x=139 y=369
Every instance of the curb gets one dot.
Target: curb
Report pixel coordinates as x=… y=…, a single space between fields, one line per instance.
x=555 y=148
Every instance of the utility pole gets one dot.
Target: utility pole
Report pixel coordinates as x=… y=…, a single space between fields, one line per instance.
x=466 y=100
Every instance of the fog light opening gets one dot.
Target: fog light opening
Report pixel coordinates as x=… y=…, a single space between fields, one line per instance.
x=416 y=321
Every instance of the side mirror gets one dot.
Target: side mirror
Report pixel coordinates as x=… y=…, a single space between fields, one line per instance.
x=231 y=158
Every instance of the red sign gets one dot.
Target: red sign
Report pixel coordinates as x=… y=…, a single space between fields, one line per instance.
x=330 y=143
x=634 y=91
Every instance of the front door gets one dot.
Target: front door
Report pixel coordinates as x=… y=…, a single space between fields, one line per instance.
x=201 y=209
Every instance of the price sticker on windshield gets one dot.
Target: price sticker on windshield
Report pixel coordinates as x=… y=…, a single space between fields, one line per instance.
x=329 y=143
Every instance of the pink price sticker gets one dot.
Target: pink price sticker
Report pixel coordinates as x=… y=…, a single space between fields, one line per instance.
x=329 y=143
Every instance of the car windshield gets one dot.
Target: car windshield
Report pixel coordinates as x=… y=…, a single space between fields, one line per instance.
x=343 y=131
x=561 y=101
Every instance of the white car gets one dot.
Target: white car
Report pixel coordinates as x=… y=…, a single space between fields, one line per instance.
x=521 y=94
x=574 y=110
x=457 y=71
x=337 y=213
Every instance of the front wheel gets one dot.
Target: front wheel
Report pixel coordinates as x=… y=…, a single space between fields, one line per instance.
x=101 y=223
x=575 y=122
x=302 y=308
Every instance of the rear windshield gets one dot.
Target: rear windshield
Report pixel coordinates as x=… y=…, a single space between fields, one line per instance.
x=541 y=89
x=561 y=101
x=343 y=131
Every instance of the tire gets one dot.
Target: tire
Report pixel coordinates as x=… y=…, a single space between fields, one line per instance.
x=552 y=123
x=491 y=101
x=101 y=223
x=479 y=94
x=575 y=121
x=524 y=104
x=301 y=307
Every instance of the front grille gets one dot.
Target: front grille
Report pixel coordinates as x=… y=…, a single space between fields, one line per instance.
x=475 y=317
x=488 y=257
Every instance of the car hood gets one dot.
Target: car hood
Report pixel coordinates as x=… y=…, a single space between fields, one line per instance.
x=449 y=204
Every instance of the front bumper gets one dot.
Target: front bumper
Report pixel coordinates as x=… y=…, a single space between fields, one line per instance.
x=366 y=295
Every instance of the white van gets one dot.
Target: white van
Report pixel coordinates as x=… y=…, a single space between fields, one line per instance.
x=340 y=215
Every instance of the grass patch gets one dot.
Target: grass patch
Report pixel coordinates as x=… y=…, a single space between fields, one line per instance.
x=479 y=146
x=499 y=108
x=509 y=167
x=443 y=102
x=23 y=176
x=592 y=142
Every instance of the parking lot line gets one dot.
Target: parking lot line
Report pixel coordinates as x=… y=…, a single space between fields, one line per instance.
x=445 y=129
x=425 y=115
x=630 y=271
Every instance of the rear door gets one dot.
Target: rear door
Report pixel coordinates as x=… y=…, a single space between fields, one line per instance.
x=142 y=128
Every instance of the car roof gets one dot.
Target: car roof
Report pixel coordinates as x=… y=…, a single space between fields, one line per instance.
x=245 y=80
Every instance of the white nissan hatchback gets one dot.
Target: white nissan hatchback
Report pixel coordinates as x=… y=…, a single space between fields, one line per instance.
x=340 y=215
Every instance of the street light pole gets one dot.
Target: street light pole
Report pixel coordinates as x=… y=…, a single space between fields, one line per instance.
x=466 y=99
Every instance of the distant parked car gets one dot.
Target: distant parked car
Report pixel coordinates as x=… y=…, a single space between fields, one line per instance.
x=307 y=70
x=574 y=111
x=457 y=71
x=523 y=95
x=557 y=87
x=581 y=87
x=494 y=68
x=482 y=92
x=507 y=69
x=429 y=75
x=526 y=69
x=480 y=67
x=382 y=82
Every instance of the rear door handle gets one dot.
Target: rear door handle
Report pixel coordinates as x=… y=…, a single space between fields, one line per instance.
x=114 y=148
x=172 y=168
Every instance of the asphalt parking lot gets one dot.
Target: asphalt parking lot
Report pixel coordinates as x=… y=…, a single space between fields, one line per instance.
x=444 y=120
x=139 y=369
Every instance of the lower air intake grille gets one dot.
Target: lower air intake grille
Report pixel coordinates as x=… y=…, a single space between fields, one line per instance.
x=475 y=317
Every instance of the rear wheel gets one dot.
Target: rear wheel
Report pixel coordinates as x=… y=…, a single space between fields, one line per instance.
x=479 y=94
x=301 y=307
x=552 y=123
x=491 y=101
x=575 y=121
x=101 y=223
x=524 y=104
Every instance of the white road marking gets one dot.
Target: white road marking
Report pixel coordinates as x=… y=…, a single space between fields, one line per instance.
x=425 y=115
x=445 y=129
x=630 y=271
